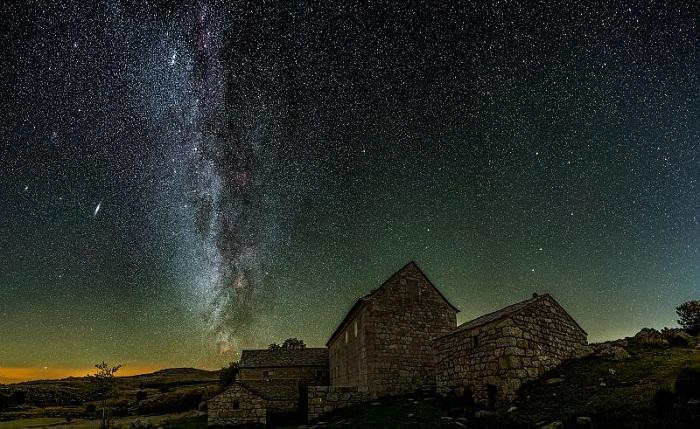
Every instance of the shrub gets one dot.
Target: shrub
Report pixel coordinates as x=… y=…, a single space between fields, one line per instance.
x=228 y=375
x=90 y=408
x=688 y=382
x=289 y=343
x=173 y=402
x=120 y=412
x=141 y=395
x=677 y=341
x=18 y=397
x=664 y=399
x=140 y=424
x=120 y=409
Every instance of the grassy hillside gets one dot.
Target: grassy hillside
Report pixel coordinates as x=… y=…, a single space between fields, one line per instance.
x=172 y=394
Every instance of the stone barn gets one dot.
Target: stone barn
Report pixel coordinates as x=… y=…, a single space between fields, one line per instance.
x=384 y=343
x=271 y=383
x=493 y=355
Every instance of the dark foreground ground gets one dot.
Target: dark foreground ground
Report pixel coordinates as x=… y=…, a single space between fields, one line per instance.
x=606 y=393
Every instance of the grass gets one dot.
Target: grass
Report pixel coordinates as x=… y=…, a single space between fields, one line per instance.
x=414 y=411
x=168 y=421
x=196 y=422
x=36 y=422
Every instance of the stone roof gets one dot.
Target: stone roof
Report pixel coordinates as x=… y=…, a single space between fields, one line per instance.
x=284 y=358
x=273 y=390
x=366 y=298
x=506 y=312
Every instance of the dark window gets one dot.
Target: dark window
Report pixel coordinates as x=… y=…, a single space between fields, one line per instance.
x=475 y=341
x=413 y=288
x=266 y=374
x=236 y=405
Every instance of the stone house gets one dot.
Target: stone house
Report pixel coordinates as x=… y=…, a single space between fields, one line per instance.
x=237 y=405
x=270 y=383
x=384 y=343
x=493 y=355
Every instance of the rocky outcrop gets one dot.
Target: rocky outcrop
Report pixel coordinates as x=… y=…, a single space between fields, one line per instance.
x=613 y=353
x=650 y=338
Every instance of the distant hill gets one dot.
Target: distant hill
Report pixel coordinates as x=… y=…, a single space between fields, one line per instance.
x=179 y=372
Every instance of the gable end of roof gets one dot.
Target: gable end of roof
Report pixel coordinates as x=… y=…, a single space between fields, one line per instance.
x=507 y=312
x=362 y=300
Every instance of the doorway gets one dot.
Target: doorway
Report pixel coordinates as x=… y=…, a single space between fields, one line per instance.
x=492 y=393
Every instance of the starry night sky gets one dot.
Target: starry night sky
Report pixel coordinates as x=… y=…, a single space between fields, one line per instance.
x=180 y=181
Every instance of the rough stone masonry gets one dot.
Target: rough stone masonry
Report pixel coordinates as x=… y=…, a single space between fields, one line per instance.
x=493 y=355
x=236 y=406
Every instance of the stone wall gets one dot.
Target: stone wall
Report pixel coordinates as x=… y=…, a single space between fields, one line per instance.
x=348 y=359
x=236 y=406
x=393 y=352
x=282 y=406
x=402 y=319
x=461 y=366
x=317 y=375
x=508 y=352
x=324 y=399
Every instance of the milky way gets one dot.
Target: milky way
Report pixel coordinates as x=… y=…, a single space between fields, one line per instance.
x=224 y=140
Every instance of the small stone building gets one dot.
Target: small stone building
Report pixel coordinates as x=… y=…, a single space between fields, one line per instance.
x=238 y=405
x=384 y=344
x=493 y=355
x=271 y=382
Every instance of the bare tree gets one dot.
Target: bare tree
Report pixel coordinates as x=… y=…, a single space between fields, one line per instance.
x=103 y=381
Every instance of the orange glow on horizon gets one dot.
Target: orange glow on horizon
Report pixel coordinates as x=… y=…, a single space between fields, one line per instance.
x=20 y=374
